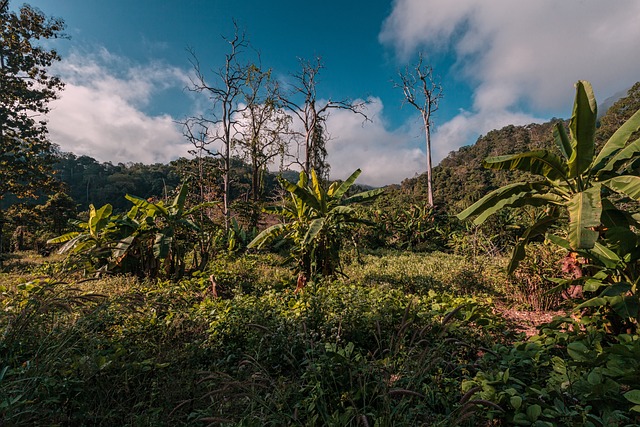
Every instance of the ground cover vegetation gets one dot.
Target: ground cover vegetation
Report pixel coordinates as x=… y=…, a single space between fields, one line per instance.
x=210 y=291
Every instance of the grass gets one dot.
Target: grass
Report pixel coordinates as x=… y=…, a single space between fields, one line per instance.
x=389 y=345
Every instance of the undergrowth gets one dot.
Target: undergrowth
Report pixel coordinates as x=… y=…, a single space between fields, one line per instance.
x=386 y=349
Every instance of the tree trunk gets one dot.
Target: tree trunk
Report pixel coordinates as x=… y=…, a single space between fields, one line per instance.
x=429 y=177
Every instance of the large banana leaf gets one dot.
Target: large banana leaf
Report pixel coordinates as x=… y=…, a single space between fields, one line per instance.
x=628 y=185
x=583 y=129
x=630 y=152
x=562 y=140
x=585 y=208
x=318 y=191
x=344 y=187
x=538 y=162
x=520 y=200
x=151 y=208
x=180 y=200
x=64 y=238
x=302 y=193
x=491 y=203
x=314 y=228
x=365 y=196
x=98 y=219
x=268 y=234
x=618 y=140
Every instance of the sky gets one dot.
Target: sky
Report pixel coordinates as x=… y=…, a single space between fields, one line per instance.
x=126 y=66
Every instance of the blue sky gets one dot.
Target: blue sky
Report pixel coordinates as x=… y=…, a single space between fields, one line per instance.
x=500 y=62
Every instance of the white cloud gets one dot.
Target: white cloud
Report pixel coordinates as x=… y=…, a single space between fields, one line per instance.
x=521 y=55
x=384 y=156
x=100 y=112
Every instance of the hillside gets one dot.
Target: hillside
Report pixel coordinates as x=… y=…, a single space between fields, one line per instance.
x=460 y=178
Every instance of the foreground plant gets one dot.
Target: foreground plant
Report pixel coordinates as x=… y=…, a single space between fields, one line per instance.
x=318 y=223
x=579 y=183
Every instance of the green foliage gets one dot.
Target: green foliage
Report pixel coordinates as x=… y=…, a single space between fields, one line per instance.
x=319 y=221
x=169 y=353
x=27 y=88
x=578 y=182
x=150 y=239
x=396 y=223
x=572 y=373
x=88 y=181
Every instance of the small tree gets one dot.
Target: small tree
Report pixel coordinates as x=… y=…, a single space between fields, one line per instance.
x=317 y=223
x=422 y=91
x=264 y=126
x=26 y=88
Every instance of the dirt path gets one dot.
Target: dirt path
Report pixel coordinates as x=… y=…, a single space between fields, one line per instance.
x=527 y=321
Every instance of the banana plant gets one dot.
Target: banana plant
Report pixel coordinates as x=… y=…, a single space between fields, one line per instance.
x=577 y=182
x=317 y=222
x=96 y=238
x=165 y=223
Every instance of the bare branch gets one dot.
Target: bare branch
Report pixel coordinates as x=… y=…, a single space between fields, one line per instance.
x=302 y=102
x=422 y=90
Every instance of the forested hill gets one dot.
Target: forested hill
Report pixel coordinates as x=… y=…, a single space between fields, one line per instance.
x=460 y=178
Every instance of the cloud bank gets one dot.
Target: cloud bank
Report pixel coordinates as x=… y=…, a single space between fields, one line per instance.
x=101 y=113
x=521 y=58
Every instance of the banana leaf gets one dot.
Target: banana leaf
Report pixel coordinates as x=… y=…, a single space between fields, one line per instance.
x=583 y=129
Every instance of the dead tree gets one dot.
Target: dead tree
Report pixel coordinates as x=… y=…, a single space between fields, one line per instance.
x=302 y=102
x=422 y=91
x=215 y=131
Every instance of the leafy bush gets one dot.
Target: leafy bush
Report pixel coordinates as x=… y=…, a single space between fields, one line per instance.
x=572 y=373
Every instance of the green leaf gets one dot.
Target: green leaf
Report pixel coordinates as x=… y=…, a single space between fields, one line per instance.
x=365 y=196
x=344 y=187
x=582 y=127
x=64 y=238
x=520 y=200
x=492 y=201
x=593 y=302
x=539 y=162
x=181 y=198
x=98 y=219
x=562 y=140
x=633 y=396
x=516 y=402
x=578 y=351
x=320 y=195
x=304 y=194
x=314 y=228
x=617 y=141
x=605 y=255
x=584 y=209
x=628 y=153
x=626 y=184
x=557 y=240
x=267 y=235
x=533 y=412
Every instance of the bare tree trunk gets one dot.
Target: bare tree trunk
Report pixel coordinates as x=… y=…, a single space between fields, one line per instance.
x=427 y=130
x=423 y=92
